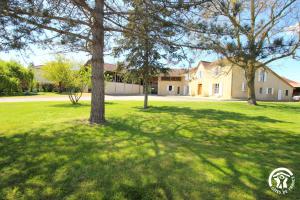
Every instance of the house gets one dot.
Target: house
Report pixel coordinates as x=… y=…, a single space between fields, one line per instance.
x=116 y=86
x=175 y=82
x=296 y=86
x=214 y=79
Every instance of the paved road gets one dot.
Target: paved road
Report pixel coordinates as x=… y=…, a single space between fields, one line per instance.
x=108 y=97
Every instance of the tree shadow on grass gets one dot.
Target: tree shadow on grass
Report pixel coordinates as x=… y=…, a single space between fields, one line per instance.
x=290 y=107
x=158 y=154
x=211 y=114
x=78 y=105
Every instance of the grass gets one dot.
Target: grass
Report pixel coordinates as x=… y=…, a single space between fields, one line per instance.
x=177 y=150
x=43 y=94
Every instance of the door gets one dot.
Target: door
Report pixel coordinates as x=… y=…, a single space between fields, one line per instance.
x=185 y=90
x=279 y=94
x=178 y=90
x=199 y=89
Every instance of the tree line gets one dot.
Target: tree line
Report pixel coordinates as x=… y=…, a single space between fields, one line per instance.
x=151 y=34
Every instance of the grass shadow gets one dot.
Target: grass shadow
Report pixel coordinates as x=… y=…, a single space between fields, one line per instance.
x=161 y=153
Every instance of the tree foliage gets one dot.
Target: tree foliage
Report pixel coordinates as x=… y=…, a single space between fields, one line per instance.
x=81 y=25
x=149 y=45
x=59 y=72
x=66 y=74
x=14 y=78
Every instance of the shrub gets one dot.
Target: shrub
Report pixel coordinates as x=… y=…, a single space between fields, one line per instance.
x=15 y=78
x=47 y=87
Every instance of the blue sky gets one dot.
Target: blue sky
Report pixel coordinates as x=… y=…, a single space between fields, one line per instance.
x=287 y=67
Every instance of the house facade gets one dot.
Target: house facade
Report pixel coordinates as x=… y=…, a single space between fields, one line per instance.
x=225 y=82
x=176 y=82
x=207 y=79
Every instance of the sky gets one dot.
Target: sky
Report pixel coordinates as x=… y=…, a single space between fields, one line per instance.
x=286 y=67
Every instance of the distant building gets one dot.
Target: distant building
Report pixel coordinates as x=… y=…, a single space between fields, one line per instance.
x=210 y=79
x=116 y=86
x=207 y=79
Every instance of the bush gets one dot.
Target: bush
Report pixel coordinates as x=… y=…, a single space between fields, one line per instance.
x=15 y=79
x=47 y=87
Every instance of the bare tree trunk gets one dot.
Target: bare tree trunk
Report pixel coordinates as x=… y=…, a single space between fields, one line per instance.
x=97 y=114
x=251 y=90
x=146 y=89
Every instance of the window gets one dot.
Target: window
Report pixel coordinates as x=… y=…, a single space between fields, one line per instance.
x=260 y=90
x=216 y=88
x=186 y=77
x=199 y=74
x=216 y=71
x=243 y=87
x=270 y=91
x=262 y=76
x=286 y=92
x=170 y=88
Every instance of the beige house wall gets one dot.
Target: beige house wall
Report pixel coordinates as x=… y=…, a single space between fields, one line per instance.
x=163 y=87
x=123 y=88
x=208 y=79
x=38 y=75
x=272 y=81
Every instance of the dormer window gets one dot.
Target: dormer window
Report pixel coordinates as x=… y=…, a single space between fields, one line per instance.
x=262 y=76
x=199 y=74
x=217 y=71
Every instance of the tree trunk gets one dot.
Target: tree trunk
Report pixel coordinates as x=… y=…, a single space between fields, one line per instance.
x=251 y=91
x=97 y=114
x=146 y=89
x=60 y=87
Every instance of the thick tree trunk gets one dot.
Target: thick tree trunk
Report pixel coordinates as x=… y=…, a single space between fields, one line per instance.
x=146 y=90
x=97 y=114
x=251 y=91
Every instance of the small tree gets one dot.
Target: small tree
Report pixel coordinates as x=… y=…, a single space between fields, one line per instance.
x=59 y=72
x=79 y=81
x=248 y=33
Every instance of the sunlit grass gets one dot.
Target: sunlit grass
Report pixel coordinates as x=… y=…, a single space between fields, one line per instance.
x=177 y=150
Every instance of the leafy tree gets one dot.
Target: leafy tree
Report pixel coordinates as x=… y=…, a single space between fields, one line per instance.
x=59 y=72
x=63 y=73
x=75 y=25
x=14 y=78
x=248 y=33
x=78 y=82
x=148 y=44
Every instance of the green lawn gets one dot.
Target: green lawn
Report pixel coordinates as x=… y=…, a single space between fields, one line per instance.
x=177 y=150
x=44 y=94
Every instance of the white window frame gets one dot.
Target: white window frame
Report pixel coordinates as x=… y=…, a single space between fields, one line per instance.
x=199 y=74
x=261 y=76
x=244 y=87
x=216 y=70
x=286 y=93
x=186 y=77
x=268 y=91
x=216 y=87
x=168 y=88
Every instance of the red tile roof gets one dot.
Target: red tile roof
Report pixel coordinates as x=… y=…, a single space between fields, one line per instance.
x=292 y=83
